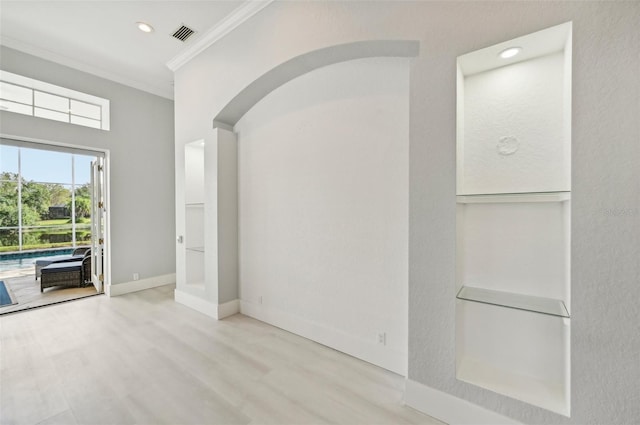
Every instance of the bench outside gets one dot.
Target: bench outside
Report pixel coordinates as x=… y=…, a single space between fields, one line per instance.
x=62 y=274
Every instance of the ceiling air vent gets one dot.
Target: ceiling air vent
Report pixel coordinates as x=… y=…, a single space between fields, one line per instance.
x=183 y=33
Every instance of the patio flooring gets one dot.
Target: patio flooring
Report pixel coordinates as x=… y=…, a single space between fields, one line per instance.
x=26 y=290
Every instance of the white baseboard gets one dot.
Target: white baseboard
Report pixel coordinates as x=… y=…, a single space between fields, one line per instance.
x=140 y=285
x=228 y=309
x=449 y=408
x=198 y=304
x=369 y=351
x=208 y=308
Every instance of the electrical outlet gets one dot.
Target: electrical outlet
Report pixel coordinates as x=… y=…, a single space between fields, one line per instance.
x=136 y=276
x=382 y=338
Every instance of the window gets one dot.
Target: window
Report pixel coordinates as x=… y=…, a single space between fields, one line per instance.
x=27 y=96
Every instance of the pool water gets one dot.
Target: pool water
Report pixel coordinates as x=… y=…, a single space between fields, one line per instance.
x=25 y=260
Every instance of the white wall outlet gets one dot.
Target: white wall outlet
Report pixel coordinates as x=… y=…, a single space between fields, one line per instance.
x=136 y=276
x=382 y=338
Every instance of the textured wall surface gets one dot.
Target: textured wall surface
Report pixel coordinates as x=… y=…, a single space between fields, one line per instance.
x=605 y=171
x=522 y=103
x=142 y=162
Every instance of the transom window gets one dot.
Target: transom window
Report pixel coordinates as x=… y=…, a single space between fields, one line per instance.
x=27 y=96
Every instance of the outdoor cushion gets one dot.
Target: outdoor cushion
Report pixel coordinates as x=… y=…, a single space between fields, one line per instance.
x=67 y=273
x=78 y=255
x=64 y=266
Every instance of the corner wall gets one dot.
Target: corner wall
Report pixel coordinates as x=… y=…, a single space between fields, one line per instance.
x=142 y=163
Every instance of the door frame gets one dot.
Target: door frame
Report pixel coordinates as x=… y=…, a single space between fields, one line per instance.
x=26 y=141
x=98 y=218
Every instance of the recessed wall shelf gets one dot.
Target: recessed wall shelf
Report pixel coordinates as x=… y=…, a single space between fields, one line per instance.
x=206 y=221
x=513 y=219
x=511 y=300
x=487 y=198
x=194 y=217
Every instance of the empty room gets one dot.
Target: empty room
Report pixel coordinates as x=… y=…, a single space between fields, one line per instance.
x=320 y=212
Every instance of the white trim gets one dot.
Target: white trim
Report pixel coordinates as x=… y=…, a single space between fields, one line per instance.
x=450 y=409
x=166 y=92
x=45 y=87
x=142 y=284
x=364 y=349
x=107 y=222
x=208 y=308
x=228 y=309
x=76 y=149
x=232 y=21
x=198 y=304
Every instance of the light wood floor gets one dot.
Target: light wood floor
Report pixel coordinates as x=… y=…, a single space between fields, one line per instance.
x=141 y=358
x=26 y=289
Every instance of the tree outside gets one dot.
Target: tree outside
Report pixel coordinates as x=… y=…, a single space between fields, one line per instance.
x=39 y=202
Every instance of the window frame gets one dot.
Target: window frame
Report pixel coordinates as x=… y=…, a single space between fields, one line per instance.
x=37 y=86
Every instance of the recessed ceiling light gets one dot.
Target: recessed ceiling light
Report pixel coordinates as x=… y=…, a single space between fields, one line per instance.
x=144 y=27
x=510 y=52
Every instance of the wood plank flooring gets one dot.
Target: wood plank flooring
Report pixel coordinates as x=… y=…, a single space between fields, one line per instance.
x=141 y=358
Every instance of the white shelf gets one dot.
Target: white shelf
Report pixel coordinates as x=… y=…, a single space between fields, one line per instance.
x=492 y=198
x=196 y=249
x=194 y=205
x=540 y=305
x=513 y=220
x=548 y=395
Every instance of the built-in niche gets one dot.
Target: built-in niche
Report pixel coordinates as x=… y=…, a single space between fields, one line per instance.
x=194 y=190
x=513 y=283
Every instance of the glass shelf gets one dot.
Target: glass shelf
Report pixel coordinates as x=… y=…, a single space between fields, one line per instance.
x=487 y=198
x=196 y=249
x=517 y=301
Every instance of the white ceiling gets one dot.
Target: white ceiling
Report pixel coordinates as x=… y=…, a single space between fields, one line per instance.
x=101 y=37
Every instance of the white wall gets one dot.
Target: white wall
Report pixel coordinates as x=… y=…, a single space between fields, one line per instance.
x=323 y=169
x=522 y=101
x=605 y=173
x=142 y=162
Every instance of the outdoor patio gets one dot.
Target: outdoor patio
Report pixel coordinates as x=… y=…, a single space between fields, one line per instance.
x=26 y=290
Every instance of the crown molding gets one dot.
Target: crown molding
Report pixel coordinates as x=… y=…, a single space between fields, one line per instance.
x=232 y=21
x=166 y=92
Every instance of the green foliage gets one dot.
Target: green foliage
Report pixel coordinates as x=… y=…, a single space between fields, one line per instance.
x=83 y=202
x=83 y=207
x=36 y=200
x=59 y=195
x=84 y=191
x=37 y=197
x=8 y=200
x=54 y=222
x=12 y=248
